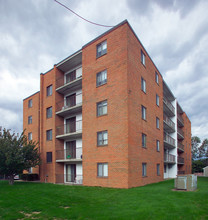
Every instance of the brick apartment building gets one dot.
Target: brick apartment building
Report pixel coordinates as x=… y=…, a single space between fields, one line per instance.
x=104 y=116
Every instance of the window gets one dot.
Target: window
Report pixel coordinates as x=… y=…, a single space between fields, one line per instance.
x=102 y=108
x=49 y=157
x=142 y=58
x=70 y=76
x=102 y=169
x=144 y=169
x=144 y=113
x=144 y=139
x=102 y=138
x=30 y=136
x=30 y=119
x=158 y=145
x=101 y=49
x=49 y=90
x=49 y=135
x=156 y=78
x=30 y=103
x=101 y=78
x=143 y=82
x=49 y=112
x=157 y=99
x=157 y=123
x=158 y=169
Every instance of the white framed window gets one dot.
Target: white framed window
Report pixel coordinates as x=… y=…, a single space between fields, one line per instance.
x=144 y=140
x=143 y=85
x=49 y=135
x=157 y=100
x=49 y=112
x=102 y=108
x=142 y=58
x=156 y=77
x=102 y=138
x=144 y=113
x=30 y=119
x=102 y=169
x=101 y=48
x=30 y=103
x=49 y=90
x=144 y=169
x=157 y=122
x=30 y=136
x=101 y=78
x=157 y=145
x=158 y=169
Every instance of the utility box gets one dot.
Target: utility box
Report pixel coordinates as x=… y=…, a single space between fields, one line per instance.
x=186 y=182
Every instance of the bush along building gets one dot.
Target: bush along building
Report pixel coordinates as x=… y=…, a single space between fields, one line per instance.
x=104 y=116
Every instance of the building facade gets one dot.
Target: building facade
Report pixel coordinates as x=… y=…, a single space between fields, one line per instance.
x=104 y=116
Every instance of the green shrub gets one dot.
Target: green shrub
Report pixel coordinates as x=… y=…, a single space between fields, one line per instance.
x=29 y=177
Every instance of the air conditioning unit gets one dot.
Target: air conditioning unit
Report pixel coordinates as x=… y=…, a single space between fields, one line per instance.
x=186 y=182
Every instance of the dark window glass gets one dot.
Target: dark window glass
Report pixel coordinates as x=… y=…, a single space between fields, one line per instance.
x=144 y=169
x=49 y=135
x=49 y=112
x=102 y=108
x=30 y=103
x=49 y=157
x=102 y=138
x=49 y=90
x=29 y=119
x=101 y=49
x=144 y=139
x=101 y=78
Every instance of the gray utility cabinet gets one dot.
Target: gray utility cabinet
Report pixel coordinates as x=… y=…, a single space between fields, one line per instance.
x=186 y=182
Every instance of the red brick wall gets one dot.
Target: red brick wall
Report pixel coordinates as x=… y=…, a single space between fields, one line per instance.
x=34 y=127
x=116 y=121
x=137 y=126
x=187 y=145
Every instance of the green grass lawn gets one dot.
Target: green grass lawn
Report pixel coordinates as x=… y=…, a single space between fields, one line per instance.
x=26 y=200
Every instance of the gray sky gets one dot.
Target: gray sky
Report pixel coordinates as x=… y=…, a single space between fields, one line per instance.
x=36 y=34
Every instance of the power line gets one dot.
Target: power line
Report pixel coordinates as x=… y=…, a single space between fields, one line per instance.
x=81 y=16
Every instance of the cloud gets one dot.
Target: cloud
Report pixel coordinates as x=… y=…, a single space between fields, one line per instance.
x=37 y=34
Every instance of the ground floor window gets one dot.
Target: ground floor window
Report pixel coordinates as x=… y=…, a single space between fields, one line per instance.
x=144 y=169
x=102 y=169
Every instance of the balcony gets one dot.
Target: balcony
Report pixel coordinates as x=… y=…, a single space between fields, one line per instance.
x=71 y=106
x=69 y=155
x=69 y=131
x=180 y=160
x=169 y=142
x=169 y=109
x=65 y=86
x=180 y=147
x=169 y=125
x=180 y=133
x=169 y=158
x=69 y=178
x=180 y=120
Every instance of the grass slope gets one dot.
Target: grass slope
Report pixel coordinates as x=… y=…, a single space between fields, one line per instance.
x=26 y=200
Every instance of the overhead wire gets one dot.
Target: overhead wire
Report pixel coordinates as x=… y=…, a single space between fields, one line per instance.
x=102 y=25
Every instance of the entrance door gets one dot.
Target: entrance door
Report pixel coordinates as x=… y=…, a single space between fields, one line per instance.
x=71 y=125
x=71 y=100
x=70 y=172
x=71 y=150
x=71 y=76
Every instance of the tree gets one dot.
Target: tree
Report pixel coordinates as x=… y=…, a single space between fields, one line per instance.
x=16 y=154
x=199 y=150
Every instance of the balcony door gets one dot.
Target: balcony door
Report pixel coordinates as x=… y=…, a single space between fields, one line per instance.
x=71 y=150
x=71 y=76
x=71 y=100
x=70 y=172
x=71 y=125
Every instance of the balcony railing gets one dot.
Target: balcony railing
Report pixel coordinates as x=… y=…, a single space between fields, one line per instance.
x=181 y=160
x=68 y=154
x=180 y=146
x=61 y=82
x=180 y=132
x=180 y=119
x=181 y=172
x=169 y=158
x=69 y=178
x=69 y=128
x=169 y=140
x=169 y=105
x=76 y=100
x=169 y=122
